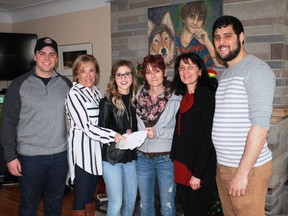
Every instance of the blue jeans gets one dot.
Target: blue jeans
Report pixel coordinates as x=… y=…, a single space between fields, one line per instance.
x=85 y=185
x=147 y=171
x=121 y=184
x=42 y=175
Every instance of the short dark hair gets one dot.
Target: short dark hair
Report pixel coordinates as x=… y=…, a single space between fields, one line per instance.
x=225 y=21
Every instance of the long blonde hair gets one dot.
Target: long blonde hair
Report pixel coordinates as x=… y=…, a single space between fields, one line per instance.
x=112 y=92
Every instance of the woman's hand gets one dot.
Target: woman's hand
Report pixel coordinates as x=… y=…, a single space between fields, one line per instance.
x=150 y=132
x=195 y=183
x=118 y=137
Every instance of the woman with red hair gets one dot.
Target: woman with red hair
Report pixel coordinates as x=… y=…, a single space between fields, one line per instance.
x=156 y=107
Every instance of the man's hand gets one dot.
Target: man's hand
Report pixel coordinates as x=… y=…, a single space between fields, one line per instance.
x=14 y=167
x=254 y=144
x=238 y=186
x=202 y=36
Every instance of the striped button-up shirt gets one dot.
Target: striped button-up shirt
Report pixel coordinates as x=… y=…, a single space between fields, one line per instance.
x=84 y=137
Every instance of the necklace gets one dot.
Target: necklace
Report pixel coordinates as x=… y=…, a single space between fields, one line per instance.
x=126 y=100
x=129 y=118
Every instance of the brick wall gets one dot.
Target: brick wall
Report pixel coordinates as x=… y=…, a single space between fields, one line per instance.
x=266 y=29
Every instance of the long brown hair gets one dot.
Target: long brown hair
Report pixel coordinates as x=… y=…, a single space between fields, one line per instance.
x=112 y=92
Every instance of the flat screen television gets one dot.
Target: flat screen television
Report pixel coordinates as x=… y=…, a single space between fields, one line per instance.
x=16 y=54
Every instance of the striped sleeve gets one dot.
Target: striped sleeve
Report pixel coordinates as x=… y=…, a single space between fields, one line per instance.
x=84 y=115
x=260 y=85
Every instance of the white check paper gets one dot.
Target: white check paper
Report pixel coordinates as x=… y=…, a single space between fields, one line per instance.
x=132 y=141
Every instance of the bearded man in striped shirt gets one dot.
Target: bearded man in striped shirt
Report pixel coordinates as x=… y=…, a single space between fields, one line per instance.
x=244 y=102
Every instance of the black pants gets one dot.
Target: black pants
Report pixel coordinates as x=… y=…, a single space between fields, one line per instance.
x=84 y=188
x=196 y=202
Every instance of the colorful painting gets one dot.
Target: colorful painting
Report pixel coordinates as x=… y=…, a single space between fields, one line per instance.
x=185 y=27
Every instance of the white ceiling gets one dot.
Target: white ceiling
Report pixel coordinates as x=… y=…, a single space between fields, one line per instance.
x=12 y=11
x=9 y=5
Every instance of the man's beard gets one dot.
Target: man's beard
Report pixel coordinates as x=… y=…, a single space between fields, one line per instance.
x=232 y=54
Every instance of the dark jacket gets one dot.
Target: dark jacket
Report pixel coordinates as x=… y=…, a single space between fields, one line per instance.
x=194 y=146
x=108 y=118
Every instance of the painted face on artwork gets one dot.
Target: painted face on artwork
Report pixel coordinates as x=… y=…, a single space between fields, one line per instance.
x=189 y=73
x=123 y=79
x=155 y=76
x=45 y=59
x=87 y=75
x=193 y=23
x=227 y=44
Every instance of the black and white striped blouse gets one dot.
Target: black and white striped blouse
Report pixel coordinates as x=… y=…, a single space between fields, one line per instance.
x=84 y=137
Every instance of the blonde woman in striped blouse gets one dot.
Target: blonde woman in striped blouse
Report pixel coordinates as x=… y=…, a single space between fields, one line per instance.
x=84 y=152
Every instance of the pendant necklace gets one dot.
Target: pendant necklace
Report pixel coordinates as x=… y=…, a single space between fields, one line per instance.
x=129 y=118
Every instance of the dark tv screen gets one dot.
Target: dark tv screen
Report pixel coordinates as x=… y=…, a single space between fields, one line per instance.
x=16 y=54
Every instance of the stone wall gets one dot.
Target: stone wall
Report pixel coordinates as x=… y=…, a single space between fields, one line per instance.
x=266 y=30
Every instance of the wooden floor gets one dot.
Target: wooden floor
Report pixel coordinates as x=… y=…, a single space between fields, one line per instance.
x=9 y=202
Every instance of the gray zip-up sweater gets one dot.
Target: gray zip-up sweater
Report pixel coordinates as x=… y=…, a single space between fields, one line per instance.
x=34 y=116
x=164 y=128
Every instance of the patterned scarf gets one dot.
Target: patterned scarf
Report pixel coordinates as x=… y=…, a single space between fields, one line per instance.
x=150 y=111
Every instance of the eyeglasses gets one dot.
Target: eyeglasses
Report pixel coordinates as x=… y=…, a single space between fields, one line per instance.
x=189 y=68
x=126 y=75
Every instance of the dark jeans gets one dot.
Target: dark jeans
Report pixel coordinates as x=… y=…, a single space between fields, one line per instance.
x=42 y=175
x=84 y=188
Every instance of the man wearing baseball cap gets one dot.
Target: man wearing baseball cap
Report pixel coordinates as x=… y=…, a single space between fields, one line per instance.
x=46 y=41
x=34 y=132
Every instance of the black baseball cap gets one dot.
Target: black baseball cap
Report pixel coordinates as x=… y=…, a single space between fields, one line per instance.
x=45 y=41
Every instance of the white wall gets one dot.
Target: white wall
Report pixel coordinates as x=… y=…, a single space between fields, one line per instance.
x=92 y=25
